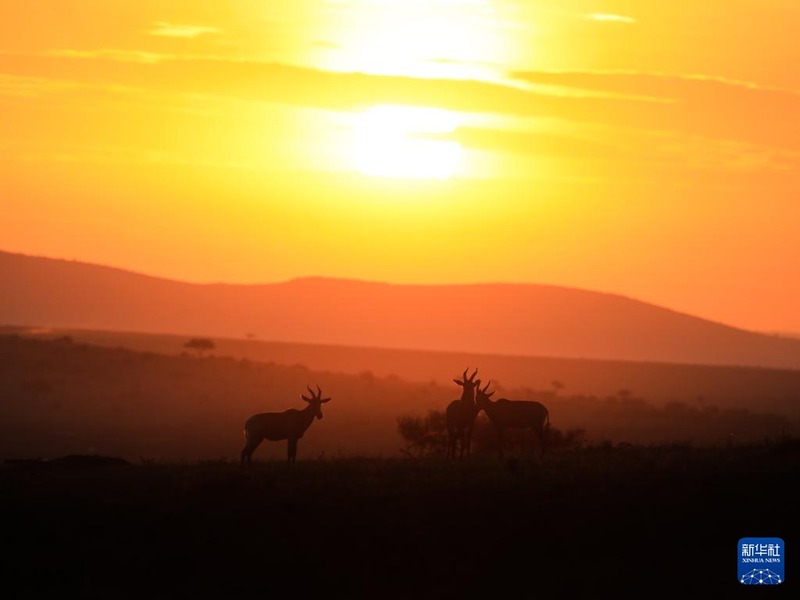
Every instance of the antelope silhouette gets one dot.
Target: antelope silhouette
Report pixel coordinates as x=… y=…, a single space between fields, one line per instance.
x=287 y=425
x=460 y=415
x=505 y=414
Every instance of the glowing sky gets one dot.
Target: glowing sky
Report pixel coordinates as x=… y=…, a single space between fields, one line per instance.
x=647 y=149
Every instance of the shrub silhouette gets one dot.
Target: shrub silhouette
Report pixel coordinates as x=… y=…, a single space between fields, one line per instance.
x=427 y=436
x=424 y=436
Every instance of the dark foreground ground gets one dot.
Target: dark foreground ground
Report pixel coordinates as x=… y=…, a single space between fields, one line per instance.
x=617 y=523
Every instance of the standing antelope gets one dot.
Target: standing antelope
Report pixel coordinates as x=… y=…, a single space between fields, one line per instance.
x=505 y=414
x=460 y=415
x=287 y=425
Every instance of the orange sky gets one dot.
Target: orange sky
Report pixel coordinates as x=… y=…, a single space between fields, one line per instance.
x=647 y=149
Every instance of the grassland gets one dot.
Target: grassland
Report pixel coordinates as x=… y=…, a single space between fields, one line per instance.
x=604 y=518
x=628 y=522
x=67 y=397
x=777 y=390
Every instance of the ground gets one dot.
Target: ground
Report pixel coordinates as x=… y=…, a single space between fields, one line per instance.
x=576 y=524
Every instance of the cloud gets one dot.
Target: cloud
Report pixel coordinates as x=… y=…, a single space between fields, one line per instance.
x=714 y=108
x=272 y=82
x=535 y=142
x=121 y=55
x=610 y=18
x=165 y=29
x=31 y=87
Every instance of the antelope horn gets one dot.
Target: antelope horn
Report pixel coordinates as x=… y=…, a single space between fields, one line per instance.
x=487 y=386
x=310 y=391
x=472 y=377
x=464 y=376
x=319 y=392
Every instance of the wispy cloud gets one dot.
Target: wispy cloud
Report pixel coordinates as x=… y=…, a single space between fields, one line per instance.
x=536 y=142
x=32 y=87
x=121 y=55
x=166 y=29
x=713 y=108
x=610 y=18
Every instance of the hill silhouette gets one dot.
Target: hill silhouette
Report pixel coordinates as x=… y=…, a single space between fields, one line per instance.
x=512 y=319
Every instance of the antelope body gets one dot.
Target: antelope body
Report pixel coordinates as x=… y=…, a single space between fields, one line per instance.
x=460 y=416
x=505 y=414
x=288 y=425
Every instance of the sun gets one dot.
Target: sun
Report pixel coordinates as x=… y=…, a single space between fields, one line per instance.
x=405 y=142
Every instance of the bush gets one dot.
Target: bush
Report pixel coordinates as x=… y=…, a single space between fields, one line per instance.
x=423 y=436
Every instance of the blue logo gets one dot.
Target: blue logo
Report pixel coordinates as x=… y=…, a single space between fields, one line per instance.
x=761 y=561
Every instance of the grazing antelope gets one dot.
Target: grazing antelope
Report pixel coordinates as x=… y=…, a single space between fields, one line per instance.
x=287 y=425
x=460 y=415
x=505 y=414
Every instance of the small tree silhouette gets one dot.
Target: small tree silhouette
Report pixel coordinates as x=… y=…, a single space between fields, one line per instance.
x=200 y=345
x=423 y=436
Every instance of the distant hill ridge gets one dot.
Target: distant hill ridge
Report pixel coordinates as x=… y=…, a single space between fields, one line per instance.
x=494 y=318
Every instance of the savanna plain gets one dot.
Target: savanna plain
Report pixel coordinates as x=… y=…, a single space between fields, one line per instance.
x=155 y=503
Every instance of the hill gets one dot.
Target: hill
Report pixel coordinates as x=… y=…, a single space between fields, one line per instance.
x=515 y=319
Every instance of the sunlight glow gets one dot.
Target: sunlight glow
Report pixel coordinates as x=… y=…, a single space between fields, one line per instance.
x=398 y=141
x=415 y=38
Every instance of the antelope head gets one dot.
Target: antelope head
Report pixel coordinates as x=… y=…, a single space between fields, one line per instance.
x=468 y=383
x=316 y=401
x=482 y=396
